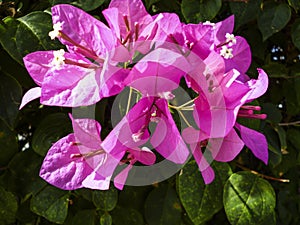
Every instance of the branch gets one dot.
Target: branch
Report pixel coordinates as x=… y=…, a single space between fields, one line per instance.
x=262 y=175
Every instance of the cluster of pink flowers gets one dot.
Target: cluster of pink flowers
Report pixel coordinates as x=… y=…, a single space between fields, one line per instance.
x=151 y=55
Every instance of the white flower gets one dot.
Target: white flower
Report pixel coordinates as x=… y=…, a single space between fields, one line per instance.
x=57 y=27
x=230 y=39
x=226 y=52
x=58 y=58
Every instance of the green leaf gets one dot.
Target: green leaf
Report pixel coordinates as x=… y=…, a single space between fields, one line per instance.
x=24 y=214
x=244 y=11
x=271 y=219
x=85 y=193
x=8 y=143
x=282 y=137
x=51 y=129
x=14 y=69
x=122 y=216
x=10 y=98
x=202 y=201
x=134 y=196
x=149 y=3
x=25 y=168
x=51 y=203
x=276 y=70
x=8 y=207
x=291 y=91
x=105 y=219
x=275 y=155
x=85 y=217
x=272 y=111
x=296 y=33
x=86 y=5
x=106 y=200
x=252 y=124
x=293 y=135
x=273 y=18
x=27 y=34
x=195 y=11
x=162 y=206
x=248 y=199
x=295 y=4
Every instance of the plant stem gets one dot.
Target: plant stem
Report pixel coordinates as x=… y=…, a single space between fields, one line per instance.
x=262 y=175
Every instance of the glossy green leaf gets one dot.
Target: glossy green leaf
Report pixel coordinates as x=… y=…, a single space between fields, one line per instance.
x=85 y=217
x=125 y=215
x=296 y=33
x=8 y=143
x=248 y=199
x=273 y=18
x=106 y=200
x=244 y=11
x=51 y=129
x=10 y=98
x=86 y=5
x=195 y=11
x=162 y=206
x=51 y=203
x=8 y=207
x=26 y=34
x=202 y=201
x=106 y=219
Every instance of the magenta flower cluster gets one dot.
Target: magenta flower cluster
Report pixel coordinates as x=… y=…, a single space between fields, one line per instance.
x=151 y=55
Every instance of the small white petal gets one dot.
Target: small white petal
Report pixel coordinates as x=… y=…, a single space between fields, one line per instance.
x=58 y=58
x=57 y=27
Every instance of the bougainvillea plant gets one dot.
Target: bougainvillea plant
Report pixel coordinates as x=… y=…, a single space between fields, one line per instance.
x=100 y=61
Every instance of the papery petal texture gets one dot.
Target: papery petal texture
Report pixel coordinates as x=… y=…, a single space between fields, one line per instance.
x=30 y=95
x=167 y=139
x=61 y=169
x=84 y=30
x=227 y=148
x=259 y=86
x=255 y=141
x=134 y=11
x=207 y=172
x=87 y=132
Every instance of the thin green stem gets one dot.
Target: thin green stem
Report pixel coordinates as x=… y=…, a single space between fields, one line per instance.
x=185 y=104
x=262 y=175
x=129 y=100
x=183 y=117
x=290 y=123
x=188 y=108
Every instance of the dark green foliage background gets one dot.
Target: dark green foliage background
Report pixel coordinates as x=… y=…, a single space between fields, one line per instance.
x=237 y=196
